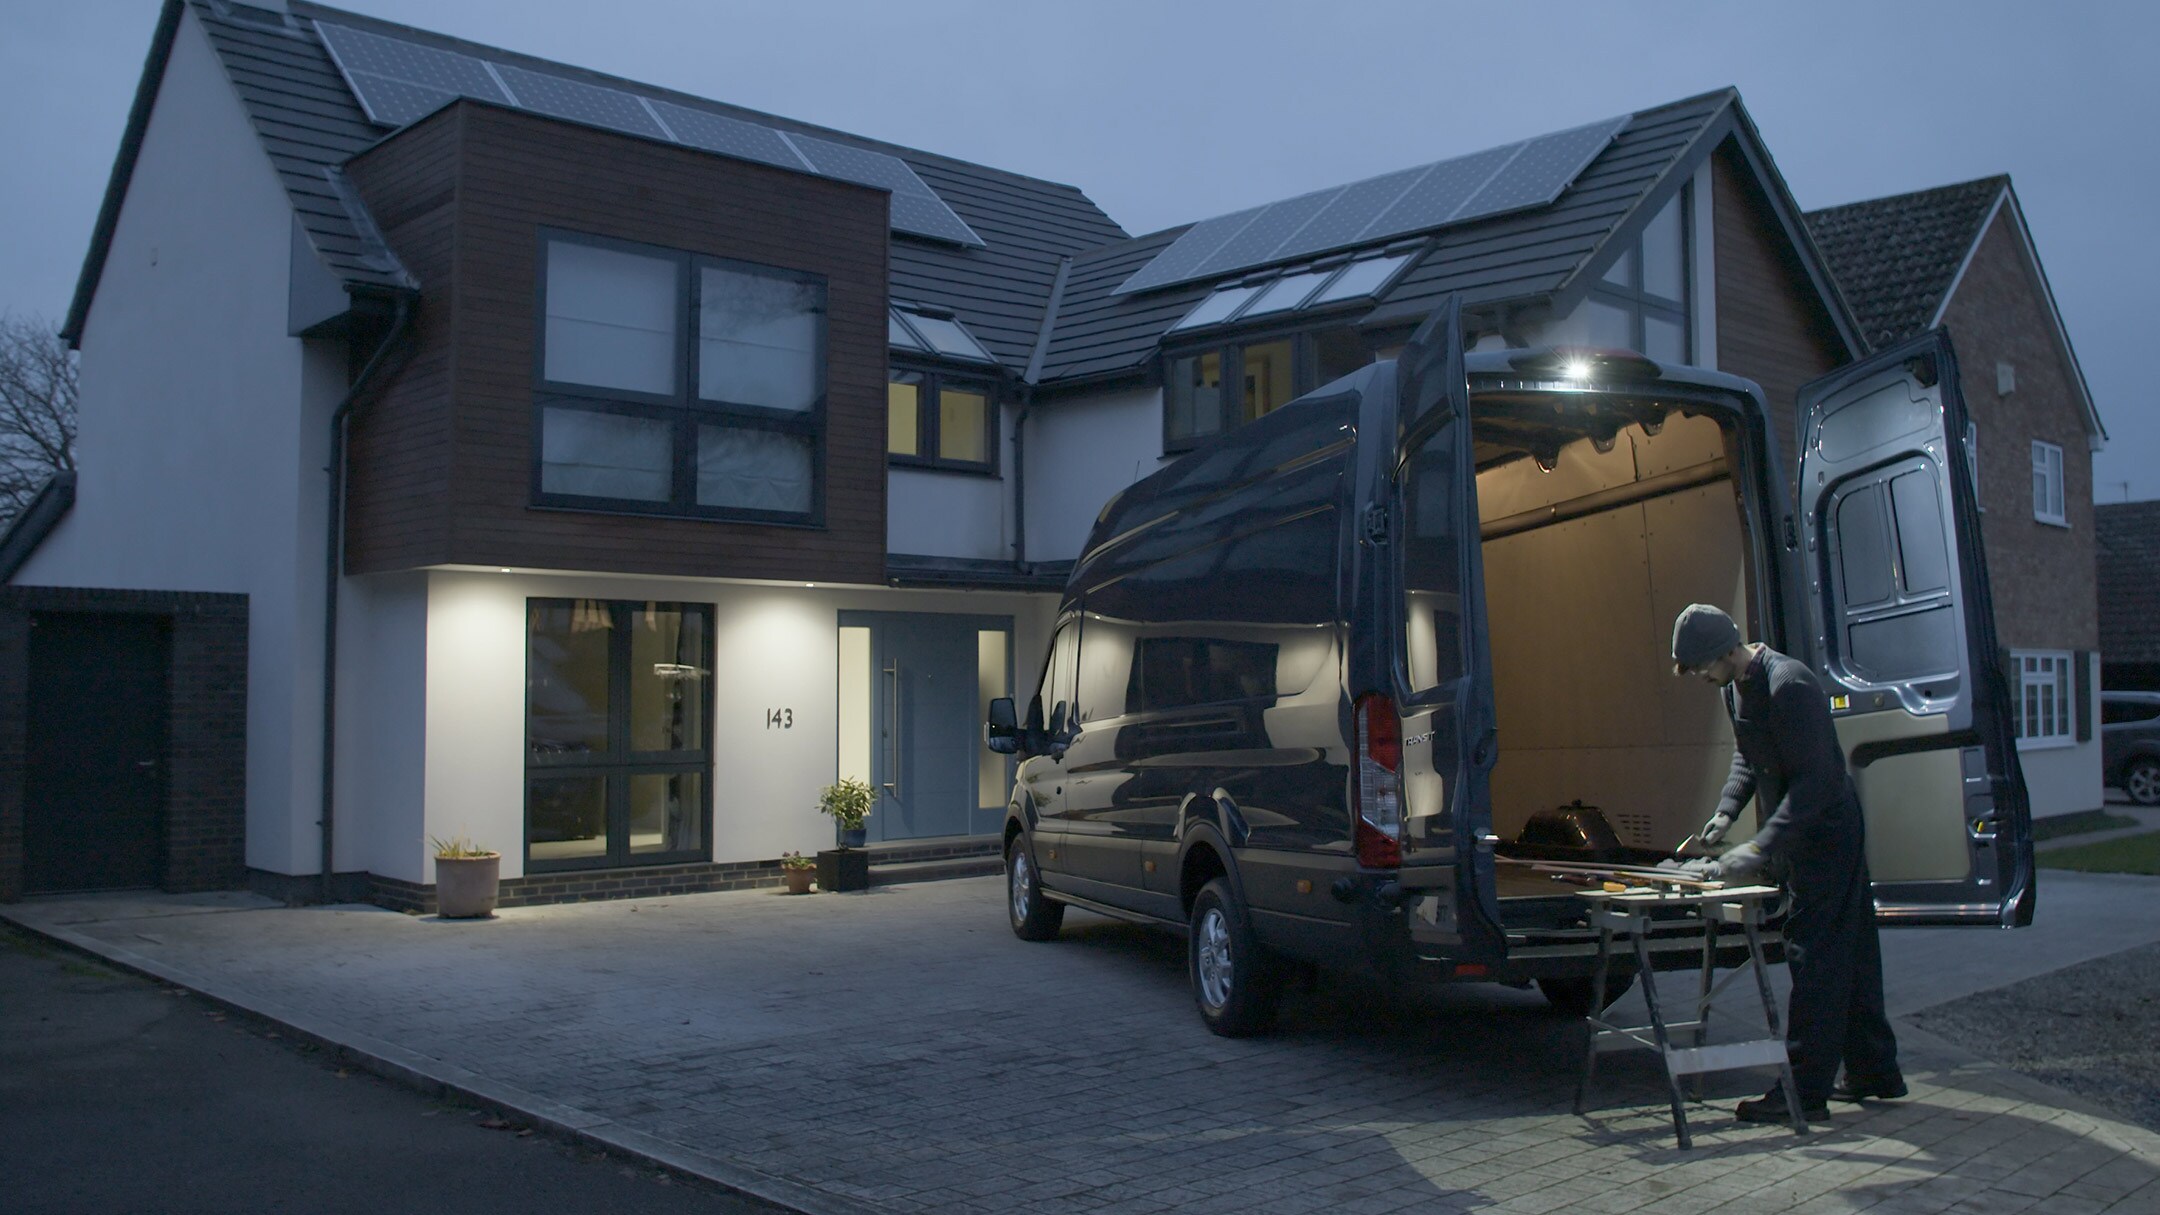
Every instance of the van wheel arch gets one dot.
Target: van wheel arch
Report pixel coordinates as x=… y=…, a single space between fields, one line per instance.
x=1201 y=864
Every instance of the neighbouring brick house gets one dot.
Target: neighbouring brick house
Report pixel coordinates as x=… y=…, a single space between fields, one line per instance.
x=1961 y=257
x=2128 y=535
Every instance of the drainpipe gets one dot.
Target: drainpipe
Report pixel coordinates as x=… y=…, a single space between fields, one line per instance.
x=1020 y=420
x=333 y=566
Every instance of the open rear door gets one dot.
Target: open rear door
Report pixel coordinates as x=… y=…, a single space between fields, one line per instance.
x=1423 y=538
x=1903 y=631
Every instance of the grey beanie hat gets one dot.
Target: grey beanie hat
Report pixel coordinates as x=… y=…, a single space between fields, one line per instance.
x=1702 y=634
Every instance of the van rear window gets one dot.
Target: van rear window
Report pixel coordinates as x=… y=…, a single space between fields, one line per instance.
x=1432 y=509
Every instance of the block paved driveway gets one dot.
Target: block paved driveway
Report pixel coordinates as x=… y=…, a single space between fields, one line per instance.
x=900 y=1051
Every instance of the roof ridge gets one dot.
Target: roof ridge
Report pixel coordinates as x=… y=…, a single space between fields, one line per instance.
x=1995 y=180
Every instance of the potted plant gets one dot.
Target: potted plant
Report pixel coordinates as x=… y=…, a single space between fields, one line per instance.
x=847 y=801
x=467 y=878
x=797 y=870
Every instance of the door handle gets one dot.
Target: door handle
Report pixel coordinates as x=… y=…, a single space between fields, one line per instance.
x=146 y=763
x=892 y=731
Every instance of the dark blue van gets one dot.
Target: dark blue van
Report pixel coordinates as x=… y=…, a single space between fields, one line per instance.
x=1319 y=690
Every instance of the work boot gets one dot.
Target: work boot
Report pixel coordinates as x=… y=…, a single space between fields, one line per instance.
x=1881 y=1088
x=1771 y=1107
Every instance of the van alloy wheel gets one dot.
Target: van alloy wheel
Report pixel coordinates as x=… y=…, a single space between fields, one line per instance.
x=2142 y=782
x=1236 y=983
x=1034 y=916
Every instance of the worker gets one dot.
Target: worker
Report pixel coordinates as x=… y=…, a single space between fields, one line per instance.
x=1812 y=837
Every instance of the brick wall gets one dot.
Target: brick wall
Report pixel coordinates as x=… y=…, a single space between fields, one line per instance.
x=2042 y=575
x=592 y=885
x=205 y=811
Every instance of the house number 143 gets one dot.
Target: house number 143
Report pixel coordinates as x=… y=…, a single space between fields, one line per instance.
x=779 y=719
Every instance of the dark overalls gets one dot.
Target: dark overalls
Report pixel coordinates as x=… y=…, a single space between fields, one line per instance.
x=1816 y=841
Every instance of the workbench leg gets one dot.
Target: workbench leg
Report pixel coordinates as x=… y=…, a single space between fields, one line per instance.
x=1702 y=998
x=1770 y=1016
x=1594 y=1018
x=1664 y=1042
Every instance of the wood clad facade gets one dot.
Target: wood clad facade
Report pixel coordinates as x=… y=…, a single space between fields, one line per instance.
x=442 y=458
x=1771 y=324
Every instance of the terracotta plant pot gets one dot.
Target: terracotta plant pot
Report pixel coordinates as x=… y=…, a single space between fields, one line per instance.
x=465 y=886
x=798 y=880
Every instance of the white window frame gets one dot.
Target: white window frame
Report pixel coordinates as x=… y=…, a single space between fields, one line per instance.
x=2046 y=707
x=2047 y=462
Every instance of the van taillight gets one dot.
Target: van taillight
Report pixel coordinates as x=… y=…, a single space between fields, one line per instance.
x=1379 y=763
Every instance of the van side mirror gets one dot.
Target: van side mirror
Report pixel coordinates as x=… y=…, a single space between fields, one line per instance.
x=1002 y=732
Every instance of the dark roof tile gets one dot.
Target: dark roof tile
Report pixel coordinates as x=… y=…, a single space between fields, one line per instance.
x=2127 y=539
x=1895 y=258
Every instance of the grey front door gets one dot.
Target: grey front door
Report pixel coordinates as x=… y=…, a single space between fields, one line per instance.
x=927 y=686
x=94 y=781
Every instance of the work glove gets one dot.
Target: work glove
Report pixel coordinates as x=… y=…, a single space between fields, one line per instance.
x=1714 y=830
x=1737 y=865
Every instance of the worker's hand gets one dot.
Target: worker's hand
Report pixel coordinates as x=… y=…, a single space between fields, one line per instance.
x=1741 y=863
x=1714 y=830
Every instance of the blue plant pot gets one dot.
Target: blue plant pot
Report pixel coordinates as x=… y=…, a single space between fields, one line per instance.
x=851 y=838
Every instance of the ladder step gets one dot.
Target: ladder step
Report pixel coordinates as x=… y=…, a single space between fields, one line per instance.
x=1763 y=1052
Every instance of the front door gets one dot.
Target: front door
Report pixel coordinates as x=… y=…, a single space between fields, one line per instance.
x=1903 y=632
x=94 y=752
x=929 y=680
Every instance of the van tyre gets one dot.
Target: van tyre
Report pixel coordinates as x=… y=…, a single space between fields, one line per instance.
x=1034 y=915
x=1236 y=983
x=1573 y=996
x=2141 y=780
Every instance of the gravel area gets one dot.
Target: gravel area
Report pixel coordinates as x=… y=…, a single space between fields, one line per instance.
x=2092 y=1028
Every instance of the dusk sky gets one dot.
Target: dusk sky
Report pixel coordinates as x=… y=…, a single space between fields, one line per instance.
x=1167 y=111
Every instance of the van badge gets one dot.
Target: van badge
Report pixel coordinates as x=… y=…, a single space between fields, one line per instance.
x=1418 y=740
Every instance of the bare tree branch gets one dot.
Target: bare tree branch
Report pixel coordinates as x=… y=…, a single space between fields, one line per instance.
x=37 y=411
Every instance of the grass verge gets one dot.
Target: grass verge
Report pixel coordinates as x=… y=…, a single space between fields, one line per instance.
x=2128 y=854
x=2045 y=829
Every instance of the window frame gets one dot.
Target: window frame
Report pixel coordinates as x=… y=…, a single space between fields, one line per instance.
x=1640 y=303
x=1304 y=374
x=2056 y=666
x=928 y=418
x=2056 y=511
x=685 y=409
x=616 y=766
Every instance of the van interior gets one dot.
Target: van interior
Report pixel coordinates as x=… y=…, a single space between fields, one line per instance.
x=1600 y=519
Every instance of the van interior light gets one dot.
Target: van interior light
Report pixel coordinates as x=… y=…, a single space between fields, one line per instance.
x=1576 y=369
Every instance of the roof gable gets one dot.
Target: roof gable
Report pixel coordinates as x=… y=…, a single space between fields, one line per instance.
x=1896 y=258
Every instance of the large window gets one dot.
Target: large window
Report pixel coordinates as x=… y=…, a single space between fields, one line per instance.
x=2046 y=711
x=618 y=733
x=2047 y=464
x=1642 y=302
x=935 y=420
x=677 y=384
x=1262 y=376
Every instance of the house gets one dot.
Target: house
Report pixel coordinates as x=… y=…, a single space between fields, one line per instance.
x=1961 y=257
x=681 y=458
x=2127 y=536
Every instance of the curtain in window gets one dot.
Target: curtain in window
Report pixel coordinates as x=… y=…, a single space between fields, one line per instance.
x=758 y=339
x=753 y=469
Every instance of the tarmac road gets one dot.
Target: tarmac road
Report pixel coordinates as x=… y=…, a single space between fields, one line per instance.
x=121 y=1095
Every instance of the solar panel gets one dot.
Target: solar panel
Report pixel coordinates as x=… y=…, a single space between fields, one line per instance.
x=1531 y=173
x=1544 y=168
x=398 y=81
x=580 y=102
x=718 y=133
x=1178 y=262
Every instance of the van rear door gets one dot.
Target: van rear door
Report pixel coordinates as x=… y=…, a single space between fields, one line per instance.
x=1420 y=541
x=1903 y=631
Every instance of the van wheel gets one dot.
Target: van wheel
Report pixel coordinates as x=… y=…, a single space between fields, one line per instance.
x=1573 y=996
x=1034 y=916
x=2141 y=780
x=1236 y=983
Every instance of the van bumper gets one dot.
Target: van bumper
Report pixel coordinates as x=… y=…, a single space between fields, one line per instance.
x=1543 y=943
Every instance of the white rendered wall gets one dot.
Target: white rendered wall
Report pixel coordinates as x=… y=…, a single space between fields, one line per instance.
x=203 y=426
x=1080 y=453
x=950 y=514
x=774 y=647
x=382 y=724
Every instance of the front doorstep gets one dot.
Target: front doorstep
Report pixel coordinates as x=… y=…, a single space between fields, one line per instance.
x=843 y=869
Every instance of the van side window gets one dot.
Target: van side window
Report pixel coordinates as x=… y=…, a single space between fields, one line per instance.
x=1178 y=672
x=1435 y=514
x=1058 y=673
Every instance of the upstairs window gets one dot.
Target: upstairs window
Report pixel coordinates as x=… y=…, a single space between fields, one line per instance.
x=937 y=420
x=1641 y=303
x=2047 y=464
x=672 y=383
x=1262 y=376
